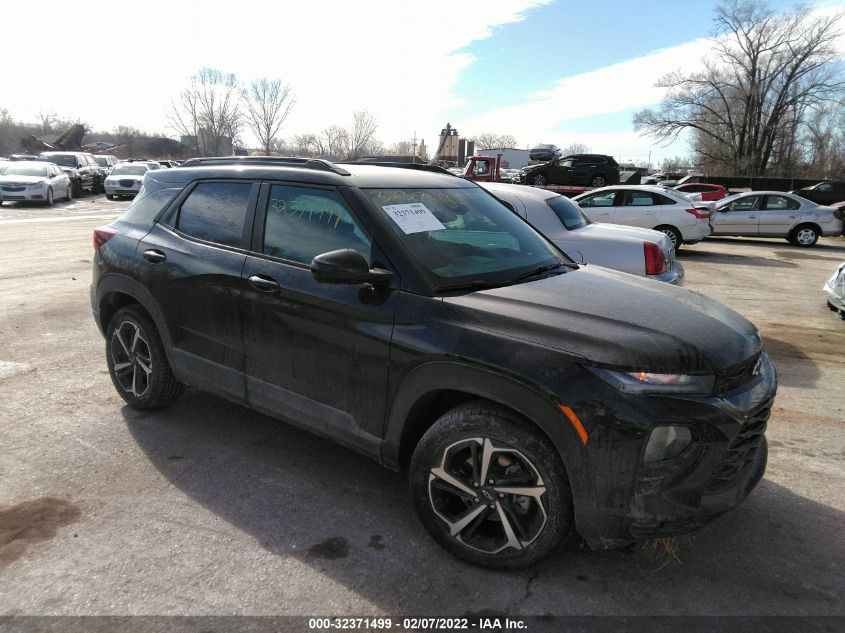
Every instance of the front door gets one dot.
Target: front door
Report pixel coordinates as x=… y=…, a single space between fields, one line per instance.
x=738 y=217
x=600 y=206
x=317 y=353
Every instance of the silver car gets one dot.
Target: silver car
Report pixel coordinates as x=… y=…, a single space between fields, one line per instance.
x=775 y=214
x=125 y=178
x=31 y=181
x=632 y=250
x=835 y=288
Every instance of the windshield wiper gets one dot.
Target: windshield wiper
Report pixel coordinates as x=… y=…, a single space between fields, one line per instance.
x=471 y=285
x=543 y=269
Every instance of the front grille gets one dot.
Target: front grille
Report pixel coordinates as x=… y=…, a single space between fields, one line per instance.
x=735 y=376
x=127 y=183
x=13 y=188
x=741 y=451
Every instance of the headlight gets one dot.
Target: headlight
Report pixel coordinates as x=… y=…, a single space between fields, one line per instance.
x=642 y=382
x=37 y=185
x=666 y=442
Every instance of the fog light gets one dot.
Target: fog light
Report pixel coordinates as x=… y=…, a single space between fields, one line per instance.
x=666 y=442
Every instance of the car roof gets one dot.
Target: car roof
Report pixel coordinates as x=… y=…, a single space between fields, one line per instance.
x=360 y=175
x=31 y=163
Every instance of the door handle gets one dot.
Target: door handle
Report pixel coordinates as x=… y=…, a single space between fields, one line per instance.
x=751 y=217
x=154 y=256
x=264 y=284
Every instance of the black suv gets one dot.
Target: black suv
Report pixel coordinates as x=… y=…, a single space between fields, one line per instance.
x=81 y=168
x=411 y=316
x=824 y=193
x=586 y=170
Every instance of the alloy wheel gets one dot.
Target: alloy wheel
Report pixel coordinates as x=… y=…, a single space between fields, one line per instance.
x=131 y=358
x=489 y=495
x=805 y=236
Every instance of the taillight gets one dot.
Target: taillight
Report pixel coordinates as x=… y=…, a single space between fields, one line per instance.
x=699 y=213
x=103 y=234
x=655 y=262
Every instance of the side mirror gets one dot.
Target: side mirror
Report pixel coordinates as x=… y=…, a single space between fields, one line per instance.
x=346 y=266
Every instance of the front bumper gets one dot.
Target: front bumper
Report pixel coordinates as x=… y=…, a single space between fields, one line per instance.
x=26 y=195
x=715 y=473
x=121 y=191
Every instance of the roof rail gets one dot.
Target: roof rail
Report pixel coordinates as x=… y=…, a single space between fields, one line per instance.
x=292 y=161
x=383 y=163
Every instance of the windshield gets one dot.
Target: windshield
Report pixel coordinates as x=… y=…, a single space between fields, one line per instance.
x=463 y=235
x=63 y=160
x=568 y=212
x=25 y=170
x=102 y=161
x=129 y=170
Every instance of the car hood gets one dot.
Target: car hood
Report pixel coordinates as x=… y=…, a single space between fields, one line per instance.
x=616 y=320
x=29 y=180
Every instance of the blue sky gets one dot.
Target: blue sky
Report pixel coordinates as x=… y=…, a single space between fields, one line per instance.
x=545 y=71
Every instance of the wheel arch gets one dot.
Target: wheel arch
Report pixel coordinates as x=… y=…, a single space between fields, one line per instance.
x=117 y=291
x=433 y=388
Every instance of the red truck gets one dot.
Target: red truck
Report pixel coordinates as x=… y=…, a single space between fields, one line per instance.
x=488 y=169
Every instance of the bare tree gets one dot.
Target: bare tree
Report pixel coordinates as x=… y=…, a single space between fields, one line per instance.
x=362 y=136
x=575 y=148
x=335 y=142
x=268 y=104
x=47 y=122
x=208 y=111
x=489 y=140
x=768 y=71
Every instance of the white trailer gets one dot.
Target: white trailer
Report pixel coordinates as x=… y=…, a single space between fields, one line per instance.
x=512 y=158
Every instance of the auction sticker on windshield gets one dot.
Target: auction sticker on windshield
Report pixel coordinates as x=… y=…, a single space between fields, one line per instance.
x=413 y=218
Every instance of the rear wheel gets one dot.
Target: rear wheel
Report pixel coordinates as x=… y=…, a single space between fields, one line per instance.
x=490 y=488
x=674 y=235
x=805 y=235
x=539 y=179
x=137 y=363
x=598 y=180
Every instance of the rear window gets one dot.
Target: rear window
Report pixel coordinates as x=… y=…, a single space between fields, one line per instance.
x=146 y=206
x=568 y=212
x=215 y=212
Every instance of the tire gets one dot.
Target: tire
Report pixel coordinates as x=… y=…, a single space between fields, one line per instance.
x=804 y=235
x=674 y=235
x=109 y=196
x=77 y=188
x=539 y=179
x=536 y=525
x=598 y=180
x=69 y=192
x=137 y=362
x=49 y=201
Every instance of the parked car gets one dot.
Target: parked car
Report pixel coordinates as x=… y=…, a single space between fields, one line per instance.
x=650 y=207
x=106 y=163
x=835 y=288
x=412 y=317
x=32 y=181
x=81 y=168
x=826 y=192
x=126 y=179
x=775 y=214
x=590 y=170
x=19 y=157
x=632 y=250
x=544 y=151
x=702 y=191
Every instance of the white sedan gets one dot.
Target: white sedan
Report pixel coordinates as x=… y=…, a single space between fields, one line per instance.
x=775 y=214
x=31 y=181
x=835 y=288
x=126 y=178
x=632 y=250
x=649 y=207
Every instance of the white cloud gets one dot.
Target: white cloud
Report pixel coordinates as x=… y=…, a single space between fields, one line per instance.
x=110 y=63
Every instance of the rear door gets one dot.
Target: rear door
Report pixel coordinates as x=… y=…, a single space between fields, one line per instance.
x=638 y=208
x=317 y=353
x=193 y=262
x=738 y=217
x=778 y=214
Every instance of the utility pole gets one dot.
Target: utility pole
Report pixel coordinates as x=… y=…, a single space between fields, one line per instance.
x=415 y=143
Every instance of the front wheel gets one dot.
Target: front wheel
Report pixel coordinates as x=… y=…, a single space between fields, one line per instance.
x=49 y=201
x=69 y=192
x=805 y=235
x=77 y=188
x=598 y=180
x=539 y=179
x=490 y=488
x=137 y=362
x=109 y=196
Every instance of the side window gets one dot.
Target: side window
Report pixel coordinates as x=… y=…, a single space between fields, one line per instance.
x=215 y=211
x=146 y=206
x=746 y=203
x=780 y=203
x=565 y=163
x=639 y=199
x=604 y=199
x=825 y=186
x=303 y=222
